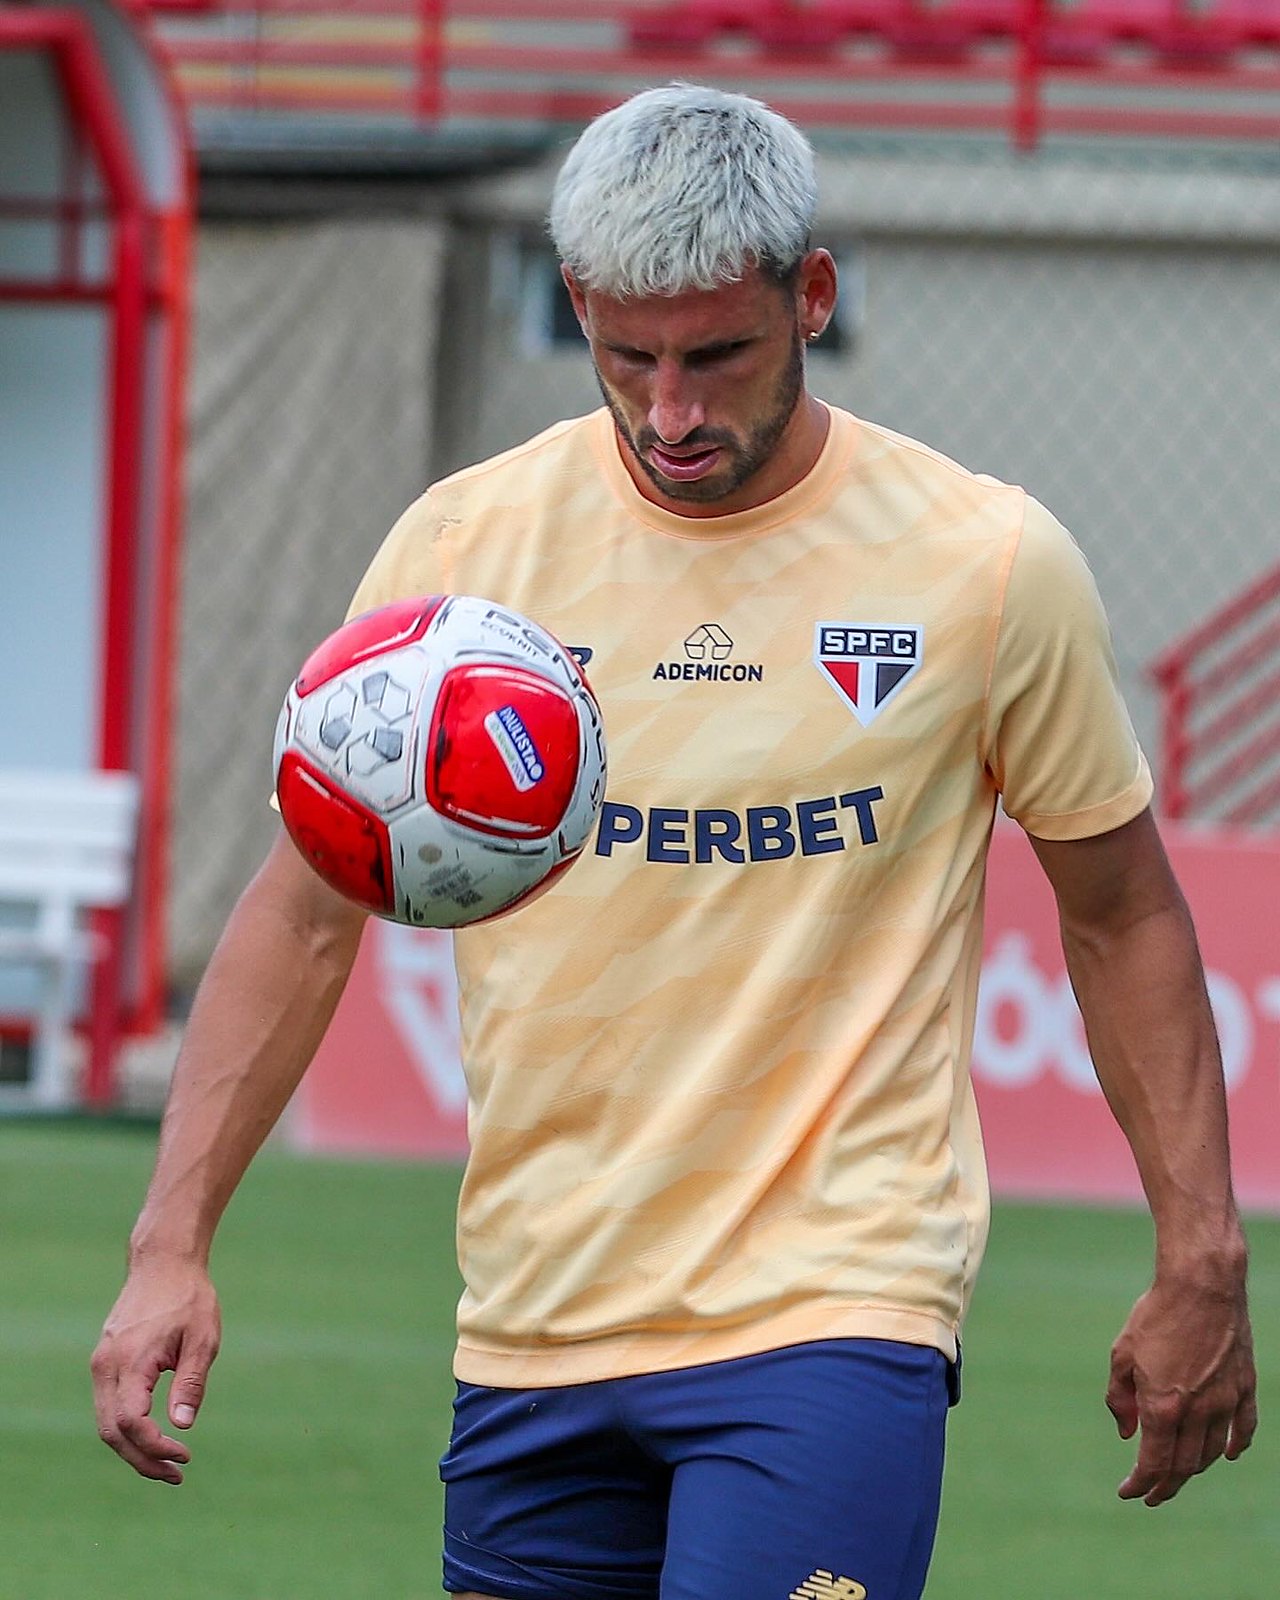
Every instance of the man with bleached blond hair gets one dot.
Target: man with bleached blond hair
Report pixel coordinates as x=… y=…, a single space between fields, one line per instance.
x=726 y=1200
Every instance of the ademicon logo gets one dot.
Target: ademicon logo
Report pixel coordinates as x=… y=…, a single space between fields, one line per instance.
x=1028 y=1023
x=707 y=652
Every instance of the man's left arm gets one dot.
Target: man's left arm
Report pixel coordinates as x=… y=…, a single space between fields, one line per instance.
x=1182 y=1368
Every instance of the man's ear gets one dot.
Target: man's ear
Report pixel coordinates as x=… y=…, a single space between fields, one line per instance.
x=816 y=292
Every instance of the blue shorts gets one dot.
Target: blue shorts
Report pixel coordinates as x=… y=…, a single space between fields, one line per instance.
x=812 y=1472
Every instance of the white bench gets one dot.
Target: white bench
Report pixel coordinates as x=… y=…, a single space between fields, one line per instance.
x=66 y=848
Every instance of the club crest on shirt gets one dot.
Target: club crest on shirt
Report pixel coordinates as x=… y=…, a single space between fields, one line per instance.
x=867 y=663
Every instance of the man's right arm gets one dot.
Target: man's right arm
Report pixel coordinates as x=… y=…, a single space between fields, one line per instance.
x=261 y=1010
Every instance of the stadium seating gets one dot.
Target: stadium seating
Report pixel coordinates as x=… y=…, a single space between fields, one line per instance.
x=1174 y=32
x=1025 y=69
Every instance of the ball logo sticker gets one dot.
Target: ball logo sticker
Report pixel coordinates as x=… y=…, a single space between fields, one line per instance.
x=867 y=664
x=515 y=745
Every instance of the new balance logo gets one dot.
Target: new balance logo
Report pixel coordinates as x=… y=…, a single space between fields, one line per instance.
x=824 y=1585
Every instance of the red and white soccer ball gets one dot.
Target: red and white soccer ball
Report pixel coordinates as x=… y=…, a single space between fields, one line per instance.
x=440 y=760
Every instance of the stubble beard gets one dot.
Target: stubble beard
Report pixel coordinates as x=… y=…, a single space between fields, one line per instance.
x=744 y=457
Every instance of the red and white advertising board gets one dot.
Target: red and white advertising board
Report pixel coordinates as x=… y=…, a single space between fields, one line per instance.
x=1047 y=1127
x=387 y=1078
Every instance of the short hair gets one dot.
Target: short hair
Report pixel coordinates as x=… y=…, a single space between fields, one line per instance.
x=684 y=187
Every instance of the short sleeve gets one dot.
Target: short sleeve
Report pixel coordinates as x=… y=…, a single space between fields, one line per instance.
x=410 y=562
x=1060 y=745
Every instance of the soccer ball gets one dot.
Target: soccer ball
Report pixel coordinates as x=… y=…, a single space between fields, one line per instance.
x=440 y=760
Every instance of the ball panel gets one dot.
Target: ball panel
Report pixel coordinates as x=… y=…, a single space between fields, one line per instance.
x=535 y=890
x=503 y=751
x=386 y=628
x=361 y=727
x=346 y=844
x=447 y=876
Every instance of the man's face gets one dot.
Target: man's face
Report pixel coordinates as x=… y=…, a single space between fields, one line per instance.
x=704 y=387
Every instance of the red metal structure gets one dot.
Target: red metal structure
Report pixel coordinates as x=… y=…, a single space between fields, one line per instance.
x=1220 y=727
x=1025 y=68
x=96 y=275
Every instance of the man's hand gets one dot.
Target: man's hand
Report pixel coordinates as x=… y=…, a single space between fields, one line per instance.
x=1182 y=1371
x=166 y=1320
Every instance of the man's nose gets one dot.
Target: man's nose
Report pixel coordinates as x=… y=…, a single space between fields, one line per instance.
x=675 y=410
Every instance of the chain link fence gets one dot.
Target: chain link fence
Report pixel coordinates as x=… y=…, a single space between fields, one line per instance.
x=312 y=384
x=1124 y=386
x=1098 y=331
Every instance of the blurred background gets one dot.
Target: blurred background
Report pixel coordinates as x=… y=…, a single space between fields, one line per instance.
x=267 y=268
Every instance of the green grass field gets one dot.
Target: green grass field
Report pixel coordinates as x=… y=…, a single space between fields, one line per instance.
x=314 y=1474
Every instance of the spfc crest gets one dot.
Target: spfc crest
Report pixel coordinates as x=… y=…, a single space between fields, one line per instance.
x=867 y=664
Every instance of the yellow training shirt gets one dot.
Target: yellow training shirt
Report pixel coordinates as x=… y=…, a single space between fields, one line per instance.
x=718 y=1075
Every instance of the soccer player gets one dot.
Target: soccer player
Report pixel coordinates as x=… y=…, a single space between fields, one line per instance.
x=726 y=1200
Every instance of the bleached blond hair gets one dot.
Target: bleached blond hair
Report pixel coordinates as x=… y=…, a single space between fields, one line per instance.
x=683 y=187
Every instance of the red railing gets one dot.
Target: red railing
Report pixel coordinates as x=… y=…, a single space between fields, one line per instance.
x=110 y=240
x=1027 y=68
x=1220 y=723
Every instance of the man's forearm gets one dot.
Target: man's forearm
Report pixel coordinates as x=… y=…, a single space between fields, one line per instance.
x=1142 y=994
x=261 y=1010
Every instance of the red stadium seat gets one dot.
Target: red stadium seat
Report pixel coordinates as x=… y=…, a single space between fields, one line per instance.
x=951 y=31
x=699 y=22
x=789 y=30
x=1087 y=33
